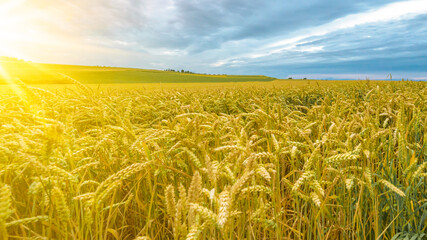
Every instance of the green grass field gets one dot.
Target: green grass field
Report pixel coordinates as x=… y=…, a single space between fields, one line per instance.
x=37 y=73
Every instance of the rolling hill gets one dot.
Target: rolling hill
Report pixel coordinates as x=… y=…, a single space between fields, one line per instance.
x=40 y=73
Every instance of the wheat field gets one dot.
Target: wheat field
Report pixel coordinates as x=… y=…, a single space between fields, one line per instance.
x=329 y=161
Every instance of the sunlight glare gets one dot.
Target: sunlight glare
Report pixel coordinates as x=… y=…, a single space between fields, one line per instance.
x=15 y=88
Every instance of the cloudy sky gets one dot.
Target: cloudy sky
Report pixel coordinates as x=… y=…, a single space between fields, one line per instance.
x=280 y=38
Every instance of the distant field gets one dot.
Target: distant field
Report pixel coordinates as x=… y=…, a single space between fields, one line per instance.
x=37 y=73
x=202 y=86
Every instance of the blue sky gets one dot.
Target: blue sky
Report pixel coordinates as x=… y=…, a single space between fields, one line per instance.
x=312 y=38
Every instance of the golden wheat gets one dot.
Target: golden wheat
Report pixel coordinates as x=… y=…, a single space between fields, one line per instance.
x=333 y=161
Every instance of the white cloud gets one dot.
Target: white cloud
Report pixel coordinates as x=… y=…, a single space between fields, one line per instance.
x=393 y=11
x=390 y=12
x=310 y=49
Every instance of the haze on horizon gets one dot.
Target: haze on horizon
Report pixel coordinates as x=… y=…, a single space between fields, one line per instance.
x=315 y=39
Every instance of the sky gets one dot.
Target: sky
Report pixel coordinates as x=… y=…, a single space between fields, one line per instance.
x=323 y=39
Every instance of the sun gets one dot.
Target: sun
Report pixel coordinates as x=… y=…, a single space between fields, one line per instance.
x=10 y=28
x=14 y=29
x=20 y=28
x=9 y=33
x=21 y=35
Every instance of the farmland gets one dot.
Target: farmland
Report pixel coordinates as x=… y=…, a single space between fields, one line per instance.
x=334 y=160
x=39 y=73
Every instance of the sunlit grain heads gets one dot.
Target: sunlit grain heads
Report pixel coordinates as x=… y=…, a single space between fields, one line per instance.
x=306 y=176
x=227 y=173
x=114 y=180
x=35 y=188
x=61 y=205
x=142 y=238
x=308 y=165
x=256 y=189
x=229 y=148
x=317 y=187
x=420 y=169
x=367 y=175
x=182 y=194
x=349 y=182
x=316 y=199
x=128 y=110
x=84 y=196
x=194 y=195
x=195 y=189
x=54 y=170
x=185 y=115
x=170 y=201
x=392 y=187
x=338 y=159
x=275 y=143
x=194 y=158
x=240 y=183
x=386 y=123
x=5 y=202
x=263 y=173
x=225 y=203
x=179 y=227
x=88 y=214
x=212 y=169
x=208 y=216
x=25 y=221
x=195 y=231
x=100 y=198
x=294 y=152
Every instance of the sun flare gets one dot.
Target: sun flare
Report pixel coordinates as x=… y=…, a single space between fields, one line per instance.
x=4 y=75
x=22 y=29
x=12 y=29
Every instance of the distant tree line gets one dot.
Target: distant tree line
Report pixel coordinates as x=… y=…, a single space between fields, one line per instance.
x=186 y=71
x=182 y=70
x=10 y=59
